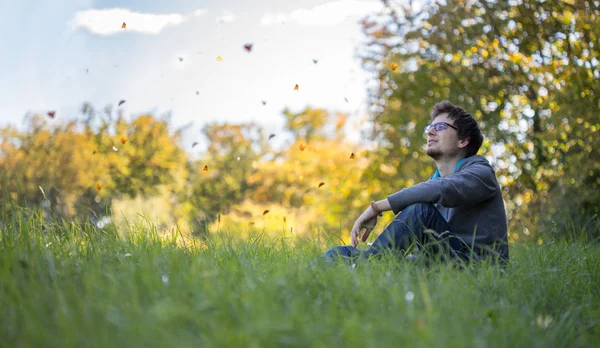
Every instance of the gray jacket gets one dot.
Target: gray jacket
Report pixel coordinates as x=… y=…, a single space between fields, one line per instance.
x=471 y=201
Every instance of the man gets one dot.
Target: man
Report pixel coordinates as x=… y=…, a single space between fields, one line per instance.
x=458 y=212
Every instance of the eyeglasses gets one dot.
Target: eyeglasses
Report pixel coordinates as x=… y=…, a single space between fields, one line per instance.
x=440 y=126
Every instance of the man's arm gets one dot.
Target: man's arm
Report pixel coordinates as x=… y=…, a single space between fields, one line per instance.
x=465 y=188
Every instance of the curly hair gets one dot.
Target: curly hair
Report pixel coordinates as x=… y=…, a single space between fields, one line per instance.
x=466 y=124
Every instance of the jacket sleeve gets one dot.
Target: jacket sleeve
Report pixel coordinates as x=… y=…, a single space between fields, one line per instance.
x=468 y=187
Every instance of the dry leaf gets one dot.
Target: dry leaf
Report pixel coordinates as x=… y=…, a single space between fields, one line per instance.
x=346 y=99
x=219 y=58
x=321 y=184
x=123 y=26
x=205 y=168
x=302 y=147
x=122 y=102
x=315 y=61
x=248 y=47
x=123 y=140
x=265 y=212
x=271 y=136
x=51 y=113
x=194 y=144
x=296 y=87
x=394 y=66
x=181 y=59
x=352 y=155
x=264 y=102
x=99 y=186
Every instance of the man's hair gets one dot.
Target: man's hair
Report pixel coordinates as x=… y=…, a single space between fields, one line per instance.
x=466 y=124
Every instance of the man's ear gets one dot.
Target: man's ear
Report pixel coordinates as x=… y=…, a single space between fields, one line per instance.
x=463 y=143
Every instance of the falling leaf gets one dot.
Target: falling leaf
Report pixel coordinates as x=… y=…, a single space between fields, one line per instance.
x=296 y=87
x=123 y=26
x=122 y=102
x=93 y=153
x=181 y=59
x=197 y=92
x=115 y=149
x=271 y=136
x=51 y=113
x=219 y=58
x=346 y=99
x=394 y=66
x=302 y=147
x=194 y=144
x=99 y=186
x=248 y=47
x=315 y=61
x=123 y=140
x=264 y=102
x=352 y=155
x=265 y=212
x=321 y=184
x=205 y=168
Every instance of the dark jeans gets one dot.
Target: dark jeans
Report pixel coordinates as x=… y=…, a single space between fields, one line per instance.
x=408 y=229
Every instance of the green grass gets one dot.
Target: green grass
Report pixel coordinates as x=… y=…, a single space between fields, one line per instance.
x=77 y=287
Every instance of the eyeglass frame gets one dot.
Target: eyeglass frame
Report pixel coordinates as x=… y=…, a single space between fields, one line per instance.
x=439 y=124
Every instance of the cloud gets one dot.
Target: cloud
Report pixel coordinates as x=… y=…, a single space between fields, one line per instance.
x=331 y=13
x=227 y=17
x=107 y=22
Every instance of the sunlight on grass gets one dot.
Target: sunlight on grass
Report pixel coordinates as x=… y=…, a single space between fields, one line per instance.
x=75 y=285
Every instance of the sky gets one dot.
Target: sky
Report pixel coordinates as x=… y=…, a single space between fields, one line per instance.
x=56 y=57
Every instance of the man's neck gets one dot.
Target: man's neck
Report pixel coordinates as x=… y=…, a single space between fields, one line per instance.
x=446 y=165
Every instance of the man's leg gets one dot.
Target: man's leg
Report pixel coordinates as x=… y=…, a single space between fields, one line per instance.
x=408 y=229
x=347 y=253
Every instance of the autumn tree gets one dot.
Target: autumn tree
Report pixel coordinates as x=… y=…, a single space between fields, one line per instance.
x=526 y=70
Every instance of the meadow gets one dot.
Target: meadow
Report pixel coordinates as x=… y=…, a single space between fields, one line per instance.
x=71 y=285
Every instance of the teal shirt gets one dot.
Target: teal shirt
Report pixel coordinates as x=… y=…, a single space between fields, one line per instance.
x=443 y=210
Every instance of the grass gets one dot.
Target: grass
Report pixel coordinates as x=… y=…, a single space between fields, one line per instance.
x=74 y=286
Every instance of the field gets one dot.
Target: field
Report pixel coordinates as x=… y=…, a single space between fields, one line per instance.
x=67 y=285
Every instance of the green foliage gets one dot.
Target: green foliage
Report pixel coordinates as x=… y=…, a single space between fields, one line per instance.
x=525 y=70
x=83 y=288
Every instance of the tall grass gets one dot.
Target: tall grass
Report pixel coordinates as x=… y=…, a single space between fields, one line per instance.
x=70 y=285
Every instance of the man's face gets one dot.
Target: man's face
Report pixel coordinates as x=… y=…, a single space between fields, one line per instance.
x=444 y=143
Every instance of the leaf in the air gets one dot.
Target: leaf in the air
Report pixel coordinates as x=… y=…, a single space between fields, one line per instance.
x=205 y=168
x=296 y=87
x=121 y=102
x=181 y=59
x=315 y=61
x=194 y=144
x=248 y=47
x=123 y=26
x=123 y=140
x=302 y=147
x=99 y=186
x=271 y=136
x=51 y=113
x=321 y=184
x=394 y=66
x=352 y=155
x=219 y=58
x=264 y=102
x=265 y=212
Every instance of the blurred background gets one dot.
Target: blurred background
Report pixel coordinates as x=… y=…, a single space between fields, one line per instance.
x=277 y=117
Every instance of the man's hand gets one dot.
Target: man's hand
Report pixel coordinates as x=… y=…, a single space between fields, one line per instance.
x=366 y=221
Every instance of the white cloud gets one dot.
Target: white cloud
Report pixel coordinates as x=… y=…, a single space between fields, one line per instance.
x=331 y=13
x=227 y=17
x=106 y=22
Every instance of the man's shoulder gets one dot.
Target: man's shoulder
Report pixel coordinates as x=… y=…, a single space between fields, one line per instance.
x=475 y=160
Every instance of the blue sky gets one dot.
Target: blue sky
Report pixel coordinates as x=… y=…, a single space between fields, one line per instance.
x=57 y=57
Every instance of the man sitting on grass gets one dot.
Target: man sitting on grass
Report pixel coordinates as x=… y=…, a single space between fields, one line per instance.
x=459 y=212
